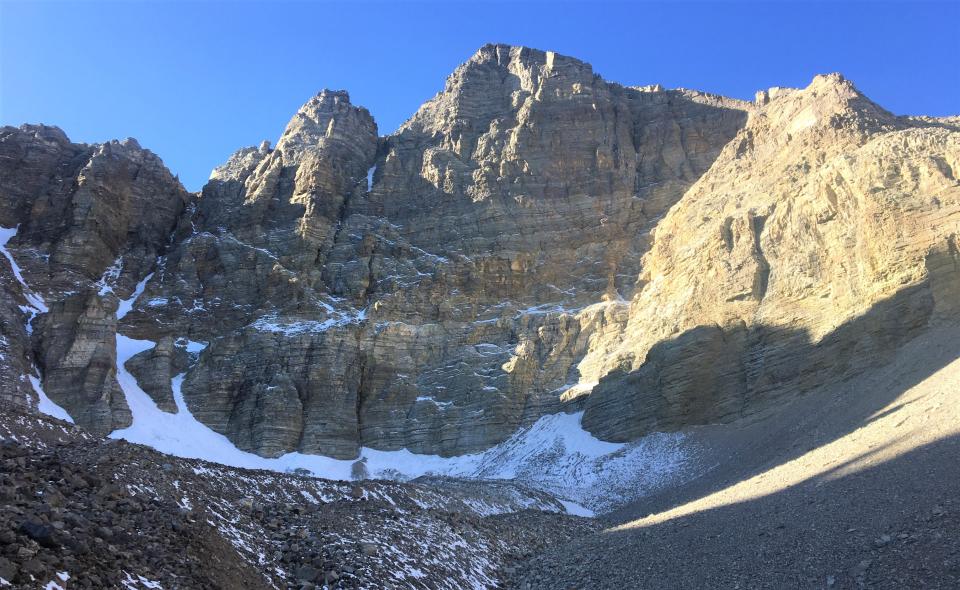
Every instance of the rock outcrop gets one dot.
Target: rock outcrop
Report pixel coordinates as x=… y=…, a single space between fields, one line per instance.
x=90 y=224
x=414 y=291
x=533 y=239
x=823 y=237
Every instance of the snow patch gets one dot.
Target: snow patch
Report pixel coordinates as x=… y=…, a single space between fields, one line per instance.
x=195 y=346
x=547 y=308
x=47 y=405
x=52 y=584
x=135 y=583
x=576 y=509
x=110 y=277
x=35 y=301
x=292 y=327
x=127 y=304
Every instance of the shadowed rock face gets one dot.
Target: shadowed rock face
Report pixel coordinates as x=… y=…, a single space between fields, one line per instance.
x=92 y=220
x=414 y=291
x=530 y=232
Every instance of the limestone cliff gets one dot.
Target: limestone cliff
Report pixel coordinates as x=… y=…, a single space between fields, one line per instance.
x=823 y=237
x=533 y=239
x=90 y=223
x=395 y=293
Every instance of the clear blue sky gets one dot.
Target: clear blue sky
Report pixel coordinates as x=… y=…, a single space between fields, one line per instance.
x=194 y=81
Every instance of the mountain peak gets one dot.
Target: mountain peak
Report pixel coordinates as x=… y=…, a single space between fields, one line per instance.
x=328 y=115
x=39 y=131
x=331 y=96
x=504 y=55
x=829 y=101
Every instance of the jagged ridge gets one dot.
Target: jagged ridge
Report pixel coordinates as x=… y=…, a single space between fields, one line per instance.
x=494 y=259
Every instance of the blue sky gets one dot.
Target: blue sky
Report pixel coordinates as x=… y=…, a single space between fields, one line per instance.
x=194 y=81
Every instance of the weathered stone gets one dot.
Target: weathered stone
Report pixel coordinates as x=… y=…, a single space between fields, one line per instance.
x=357 y=294
x=78 y=360
x=155 y=368
x=92 y=220
x=39 y=532
x=822 y=238
x=533 y=239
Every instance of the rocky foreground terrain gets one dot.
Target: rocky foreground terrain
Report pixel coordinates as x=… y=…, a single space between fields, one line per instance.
x=80 y=512
x=855 y=485
x=625 y=300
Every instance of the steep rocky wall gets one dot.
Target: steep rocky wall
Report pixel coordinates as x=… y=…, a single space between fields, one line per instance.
x=823 y=237
x=414 y=292
x=533 y=238
x=90 y=222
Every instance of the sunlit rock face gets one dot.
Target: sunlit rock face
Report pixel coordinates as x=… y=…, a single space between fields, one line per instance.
x=533 y=239
x=822 y=238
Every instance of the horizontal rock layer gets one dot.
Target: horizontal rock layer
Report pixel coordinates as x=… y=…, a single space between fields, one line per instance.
x=533 y=238
x=90 y=222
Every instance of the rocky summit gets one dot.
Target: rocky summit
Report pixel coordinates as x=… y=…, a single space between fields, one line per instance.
x=610 y=295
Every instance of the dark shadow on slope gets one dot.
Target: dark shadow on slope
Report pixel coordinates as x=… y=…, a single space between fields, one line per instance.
x=779 y=394
x=889 y=525
x=710 y=375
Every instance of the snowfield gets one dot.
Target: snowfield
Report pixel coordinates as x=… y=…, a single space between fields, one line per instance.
x=555 y=454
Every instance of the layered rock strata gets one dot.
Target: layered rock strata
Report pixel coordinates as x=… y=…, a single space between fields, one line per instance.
x=823 y=237
x=91 y=222
x=533 y=239
x=415 y=291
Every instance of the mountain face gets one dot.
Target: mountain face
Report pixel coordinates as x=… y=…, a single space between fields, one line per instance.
x=90 y=222
x=533 y=240
x=822 y=239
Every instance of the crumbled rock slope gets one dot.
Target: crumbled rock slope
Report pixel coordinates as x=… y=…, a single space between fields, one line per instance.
x=855 y=485
x=86 y=513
